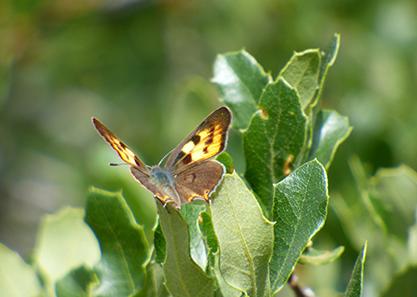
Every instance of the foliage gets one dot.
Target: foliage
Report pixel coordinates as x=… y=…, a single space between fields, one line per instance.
x=387 y=217
x=249 y=239
x=142 y=67
x=355 y=286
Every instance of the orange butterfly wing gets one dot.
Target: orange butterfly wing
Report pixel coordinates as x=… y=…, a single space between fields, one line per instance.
x=125 y=153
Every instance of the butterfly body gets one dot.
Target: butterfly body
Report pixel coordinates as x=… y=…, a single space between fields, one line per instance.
x=165 y=181
x=187 y=172
x=161 y=176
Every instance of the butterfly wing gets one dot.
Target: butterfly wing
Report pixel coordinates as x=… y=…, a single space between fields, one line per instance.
x=205 y=142
x=138 y=169
x=124 y=152
x=199 y=180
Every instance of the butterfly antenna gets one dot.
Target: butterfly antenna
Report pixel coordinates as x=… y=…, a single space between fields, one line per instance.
x=117 y=164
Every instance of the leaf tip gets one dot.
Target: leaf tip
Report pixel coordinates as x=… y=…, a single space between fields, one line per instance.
x=364 y=249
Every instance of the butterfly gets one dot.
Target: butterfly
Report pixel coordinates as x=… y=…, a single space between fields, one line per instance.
x=186 y=173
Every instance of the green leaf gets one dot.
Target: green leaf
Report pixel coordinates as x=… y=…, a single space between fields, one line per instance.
x=302 y=73
x=244 y=236
x=330 y=56
x=317 y=257
x=355 y=286
x=227 y=161
x=207 y=230
x=224 y=289
x=159 y=244
x=412 y=241
x=124 y=247
x=64 y=242
x=78 y=283
x=191 y=212
x=184 y=278
x=404 y=284
x=327 y=62
x=17 y=279
x=395 y=207
x=299 y=211
x=274 y=139
x=240 y=80
x=330 y=130
x=154 y=283
x=351 y=212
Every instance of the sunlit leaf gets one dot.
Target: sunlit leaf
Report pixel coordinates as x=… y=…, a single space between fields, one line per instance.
x=224 y=288
x=245 y=237
x=319 y=257
x=240 y=80
x=302 y=73
x=17 y=279
x=190 y=213
x=64 y=243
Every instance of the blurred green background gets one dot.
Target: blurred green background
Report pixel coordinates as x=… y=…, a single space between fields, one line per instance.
x=144 y=68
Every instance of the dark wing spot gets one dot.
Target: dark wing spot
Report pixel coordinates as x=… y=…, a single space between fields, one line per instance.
x=138 y=162
x=122 y=145
x=181 y=154
x=212 y=130
x=206 y=149
x=187 y=159
x=190 y=178
x=209 y=140
x=195 y=139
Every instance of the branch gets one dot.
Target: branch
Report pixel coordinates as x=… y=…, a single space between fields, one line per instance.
x=298 y=290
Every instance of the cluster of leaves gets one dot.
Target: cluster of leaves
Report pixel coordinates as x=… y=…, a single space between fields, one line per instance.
x=383 y=208
x=251 y=236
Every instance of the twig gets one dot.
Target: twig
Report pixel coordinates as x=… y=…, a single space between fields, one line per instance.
x=298 y=290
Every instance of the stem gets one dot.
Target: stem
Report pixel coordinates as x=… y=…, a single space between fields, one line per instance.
x=298 y=290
